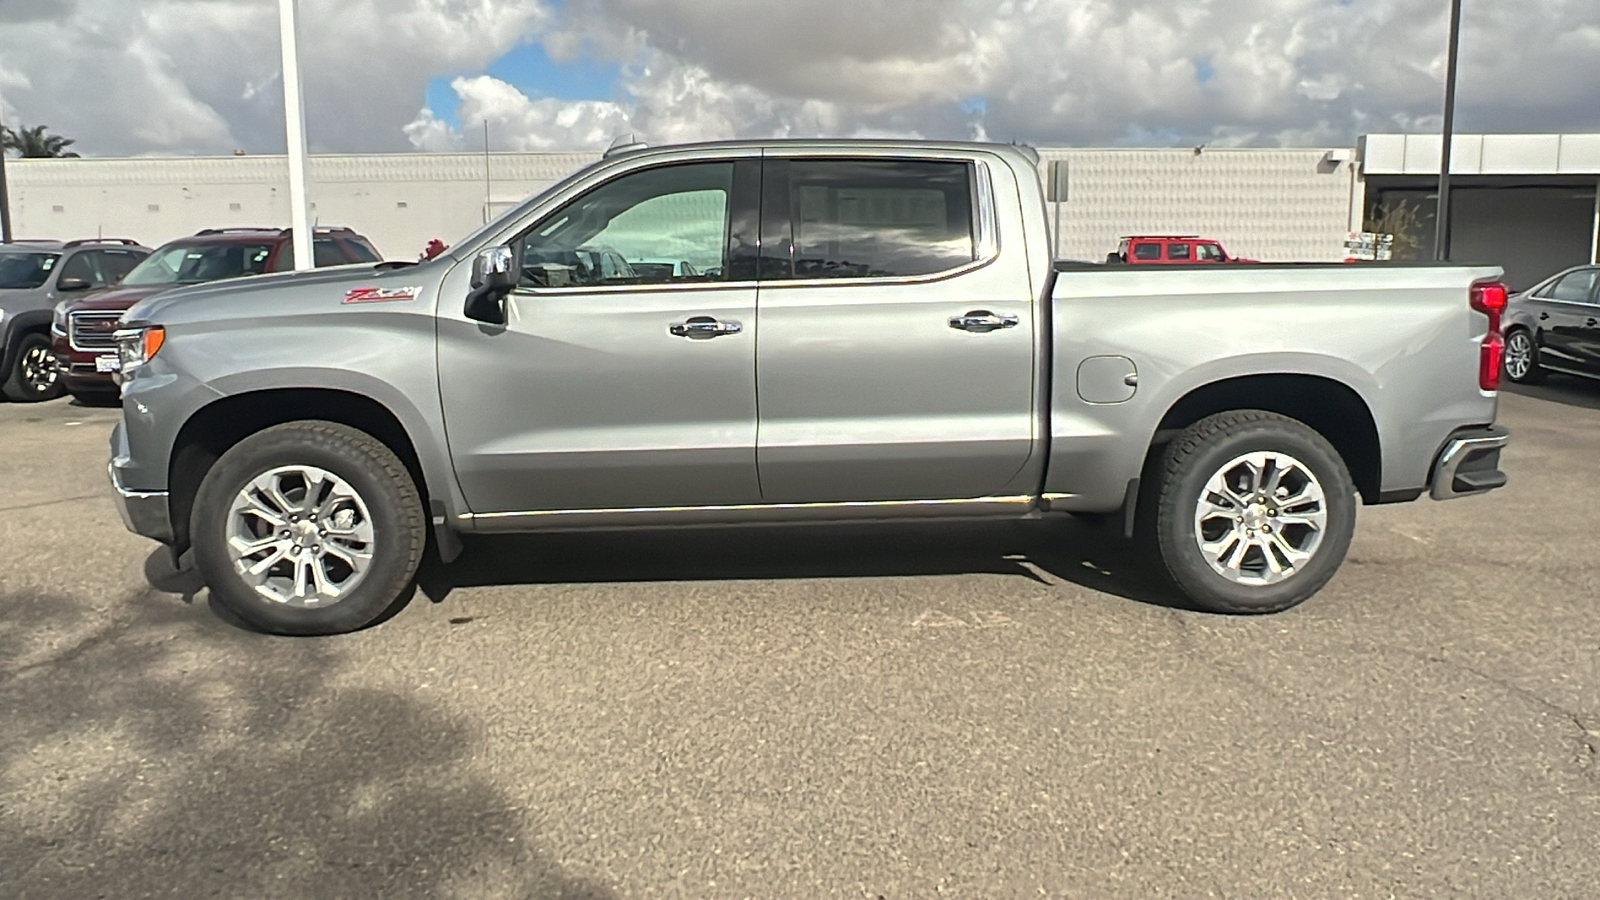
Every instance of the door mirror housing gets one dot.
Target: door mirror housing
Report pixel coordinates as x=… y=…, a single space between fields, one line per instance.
x=69 y=285
x=494 y=275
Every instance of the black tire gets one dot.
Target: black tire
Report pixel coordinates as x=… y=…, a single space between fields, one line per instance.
x=1203 y=451
x=1535 y=374
x=366 y=465
x=33 y=377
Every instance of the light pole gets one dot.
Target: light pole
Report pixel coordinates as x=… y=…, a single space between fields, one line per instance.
x=1441 y=235
x=5 y=194
x=294 y=117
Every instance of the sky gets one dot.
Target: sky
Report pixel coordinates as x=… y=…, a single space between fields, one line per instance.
x=185 y=77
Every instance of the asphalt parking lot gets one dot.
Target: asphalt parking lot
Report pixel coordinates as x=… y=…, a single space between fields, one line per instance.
x=977 y=711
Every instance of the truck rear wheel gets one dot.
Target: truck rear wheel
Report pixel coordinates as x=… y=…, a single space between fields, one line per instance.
x=308 y=528
x=1255 y=513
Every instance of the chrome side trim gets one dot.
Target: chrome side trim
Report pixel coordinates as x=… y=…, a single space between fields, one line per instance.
x=560 y=519
x=1455 y=453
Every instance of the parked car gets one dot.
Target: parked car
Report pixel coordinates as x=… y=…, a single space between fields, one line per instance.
x=83 y=329
x=34 y=277
x=1554 y=326
x=301 y=435
x=1171 y=250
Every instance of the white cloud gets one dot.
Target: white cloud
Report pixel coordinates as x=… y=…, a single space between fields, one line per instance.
x=517 y=122
x=201 y=75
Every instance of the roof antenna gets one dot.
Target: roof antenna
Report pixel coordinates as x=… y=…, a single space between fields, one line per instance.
x=626 y=143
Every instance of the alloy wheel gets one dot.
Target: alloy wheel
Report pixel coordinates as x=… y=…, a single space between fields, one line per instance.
x=1519 y=355
x=300 y=536
x=1261 y=518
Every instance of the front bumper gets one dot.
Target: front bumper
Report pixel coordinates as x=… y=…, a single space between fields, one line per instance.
x=143 y=512
x=1469 y=463
x=81 y=368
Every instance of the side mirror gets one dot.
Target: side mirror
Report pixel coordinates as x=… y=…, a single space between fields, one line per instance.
x=494 y=275
x=68 y=285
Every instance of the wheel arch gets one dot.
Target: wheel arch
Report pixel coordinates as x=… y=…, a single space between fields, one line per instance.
x=18 y=326
x=219 y=425
x=1330 y=407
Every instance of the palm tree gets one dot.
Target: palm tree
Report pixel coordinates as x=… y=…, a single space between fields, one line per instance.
x=35 y=143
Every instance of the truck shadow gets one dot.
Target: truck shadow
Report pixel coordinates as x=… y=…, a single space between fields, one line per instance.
x=1568 y=390
x=224 y=764
x=1066 y=549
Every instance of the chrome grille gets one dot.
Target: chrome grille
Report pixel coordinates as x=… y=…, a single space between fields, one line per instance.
x=93 y=330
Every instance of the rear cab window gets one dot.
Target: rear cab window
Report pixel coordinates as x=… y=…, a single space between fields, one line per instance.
x=1147 y=251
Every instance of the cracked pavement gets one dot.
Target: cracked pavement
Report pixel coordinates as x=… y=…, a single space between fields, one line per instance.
x=929 y=710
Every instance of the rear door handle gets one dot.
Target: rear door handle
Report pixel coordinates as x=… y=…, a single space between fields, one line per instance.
x=1591 y=323
x=702 y=328
x=982 y=321
x=1544 y=315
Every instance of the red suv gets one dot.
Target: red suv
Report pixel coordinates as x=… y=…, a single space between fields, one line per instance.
x=82 y=329
x=1171 y=250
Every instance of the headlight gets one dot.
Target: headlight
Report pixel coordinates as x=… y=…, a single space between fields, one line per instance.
x=58 y=318
x=137 y=346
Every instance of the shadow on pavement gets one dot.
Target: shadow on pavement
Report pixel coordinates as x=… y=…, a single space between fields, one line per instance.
x=1569 y=390
x=1068 y=549
x=170 y=755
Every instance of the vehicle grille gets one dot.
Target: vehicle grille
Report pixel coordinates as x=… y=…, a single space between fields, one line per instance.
x=94 y=330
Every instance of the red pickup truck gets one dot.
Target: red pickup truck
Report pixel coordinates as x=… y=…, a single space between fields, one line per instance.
x=1171 y=250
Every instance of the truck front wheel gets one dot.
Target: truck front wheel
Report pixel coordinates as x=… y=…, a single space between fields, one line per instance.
x=308 y=528
x=1255 y=513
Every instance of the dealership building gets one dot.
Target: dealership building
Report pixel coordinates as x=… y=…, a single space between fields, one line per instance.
x=1523 y=201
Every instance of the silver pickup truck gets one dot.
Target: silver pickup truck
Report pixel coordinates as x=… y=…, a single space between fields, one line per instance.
x=818 y=331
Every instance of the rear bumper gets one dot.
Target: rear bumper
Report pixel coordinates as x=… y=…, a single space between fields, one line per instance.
x=144 y=513
x=1469 y=463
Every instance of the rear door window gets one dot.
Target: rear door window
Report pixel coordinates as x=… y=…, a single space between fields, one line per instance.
x=1178 y=252
x=116 y=264
x=1577 y=287
x=82 y=266
x=1147 y=251
x=874 y=218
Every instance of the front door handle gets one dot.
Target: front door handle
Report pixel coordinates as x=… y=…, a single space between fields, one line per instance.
x=1544 y=315
x=1591 y=323
x=982 y=321
x=702 y=328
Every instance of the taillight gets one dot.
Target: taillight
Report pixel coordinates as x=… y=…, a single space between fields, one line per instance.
x=1490 y=299
x=1491 y=356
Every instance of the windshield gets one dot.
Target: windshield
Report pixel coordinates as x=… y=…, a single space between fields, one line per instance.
x=25 y=270
x=196 y=263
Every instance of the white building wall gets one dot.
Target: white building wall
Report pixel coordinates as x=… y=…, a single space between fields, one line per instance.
x=1271 y=205
x=399 y=201
x=1265 y=204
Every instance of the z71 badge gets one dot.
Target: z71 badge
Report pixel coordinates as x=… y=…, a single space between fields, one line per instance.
x=381 y=295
